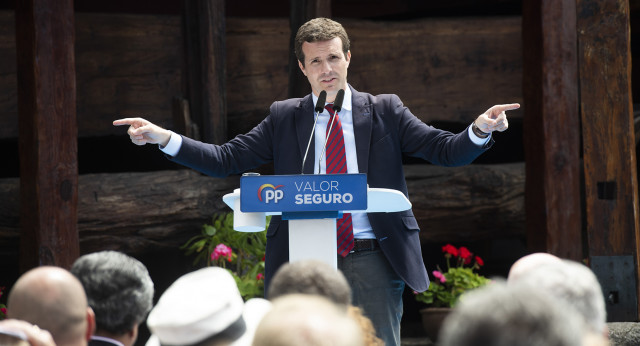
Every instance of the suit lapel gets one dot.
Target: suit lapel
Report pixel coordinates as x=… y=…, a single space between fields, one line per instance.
x=304 y=117
x=361 y=128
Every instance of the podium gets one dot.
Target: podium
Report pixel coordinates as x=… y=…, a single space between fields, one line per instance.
x=311 y=204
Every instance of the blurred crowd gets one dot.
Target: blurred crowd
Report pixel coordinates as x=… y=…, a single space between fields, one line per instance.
x=107 y=295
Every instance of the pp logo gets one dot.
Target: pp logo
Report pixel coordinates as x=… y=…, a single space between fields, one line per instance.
x=271 y=193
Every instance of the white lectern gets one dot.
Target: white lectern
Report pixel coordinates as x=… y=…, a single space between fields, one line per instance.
x=311 y=203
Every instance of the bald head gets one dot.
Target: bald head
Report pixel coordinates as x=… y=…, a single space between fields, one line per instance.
x=53 y=299
x=530 y=262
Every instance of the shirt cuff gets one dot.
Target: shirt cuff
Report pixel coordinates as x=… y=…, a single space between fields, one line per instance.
x=173 y=147
x=475 y=139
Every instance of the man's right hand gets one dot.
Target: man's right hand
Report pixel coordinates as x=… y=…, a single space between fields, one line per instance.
x=142 y=131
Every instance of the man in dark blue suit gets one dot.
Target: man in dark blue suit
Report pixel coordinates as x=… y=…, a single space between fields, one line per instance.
x=377 y=131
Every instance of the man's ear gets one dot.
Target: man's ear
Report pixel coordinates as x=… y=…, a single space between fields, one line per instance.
x=302 y=68
x=91 y=323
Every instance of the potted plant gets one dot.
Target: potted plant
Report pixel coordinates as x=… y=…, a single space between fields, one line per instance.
x=241 y=253
x=447 y=286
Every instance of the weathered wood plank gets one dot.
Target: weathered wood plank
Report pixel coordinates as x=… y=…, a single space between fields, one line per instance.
x=147 y=212
x=128 y=65
x=48 y=133
x=552 y=128
x=8 y=78
x=467 y=203
x=608 y=129
x=610 y=171
x=205 y=31
x=443 y=69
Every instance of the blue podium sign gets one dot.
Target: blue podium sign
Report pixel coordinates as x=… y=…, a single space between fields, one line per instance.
x=303 y=193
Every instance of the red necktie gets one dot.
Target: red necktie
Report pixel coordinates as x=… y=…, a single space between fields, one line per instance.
x=336 y=163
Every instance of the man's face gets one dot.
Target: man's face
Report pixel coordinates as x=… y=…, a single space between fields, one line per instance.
x=325 y=66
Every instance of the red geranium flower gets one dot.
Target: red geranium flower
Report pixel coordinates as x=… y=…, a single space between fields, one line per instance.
x=450 y=249
x=464 y=253
x=479 y=261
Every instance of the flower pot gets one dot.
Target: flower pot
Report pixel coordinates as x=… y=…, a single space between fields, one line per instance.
x=432 y=319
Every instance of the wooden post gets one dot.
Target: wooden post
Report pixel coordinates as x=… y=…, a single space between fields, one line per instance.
x=301 y=12
x=47 y=133
x=551 y=128
x=611 y=184
x=205 y=46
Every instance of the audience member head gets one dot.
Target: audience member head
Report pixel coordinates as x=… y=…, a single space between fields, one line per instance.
x=205 y=308
x=21 y=333
x=119 y=290
x=311 y=320
x=366 y=326
x=53 y=299
x=573 y=283
x=529 y=262
x=310 y=277
x=505 y=315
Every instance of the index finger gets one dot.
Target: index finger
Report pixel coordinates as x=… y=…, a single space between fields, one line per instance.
x=125 y=121
x=507 y=107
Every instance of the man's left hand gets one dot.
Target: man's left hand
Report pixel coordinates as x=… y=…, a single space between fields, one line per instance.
x=495 y=119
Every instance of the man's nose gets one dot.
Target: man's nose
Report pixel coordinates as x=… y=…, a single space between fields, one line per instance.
x=325 y=67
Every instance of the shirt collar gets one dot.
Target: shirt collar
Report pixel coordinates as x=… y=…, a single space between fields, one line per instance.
x=105 y=339
x=346 y=104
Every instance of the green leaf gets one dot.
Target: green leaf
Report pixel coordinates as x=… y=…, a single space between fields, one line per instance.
x=209 y=230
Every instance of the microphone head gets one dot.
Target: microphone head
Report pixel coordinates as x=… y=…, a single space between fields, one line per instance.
x=337 y=103
x=322 y=98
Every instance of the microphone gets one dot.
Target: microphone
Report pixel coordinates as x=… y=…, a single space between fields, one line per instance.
x=322 y=98
x=337 y=103
x=337 y=107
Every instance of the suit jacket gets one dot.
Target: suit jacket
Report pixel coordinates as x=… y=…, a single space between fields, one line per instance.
x=384 y=129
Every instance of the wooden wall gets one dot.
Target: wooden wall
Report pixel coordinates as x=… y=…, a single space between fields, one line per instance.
x=444 y=69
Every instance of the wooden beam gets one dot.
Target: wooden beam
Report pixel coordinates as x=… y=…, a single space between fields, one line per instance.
x=48 y=133
x=301 y=12
x=205 y=44
x=551 y=127
x=609 y=147
x=147 y=212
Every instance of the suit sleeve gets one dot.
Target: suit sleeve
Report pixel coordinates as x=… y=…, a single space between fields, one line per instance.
x=437 y=146
x=240 y=154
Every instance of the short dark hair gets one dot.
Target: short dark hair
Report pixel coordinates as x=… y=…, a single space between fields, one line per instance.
x=118 y=287
x=310 y=277
x=320 y=29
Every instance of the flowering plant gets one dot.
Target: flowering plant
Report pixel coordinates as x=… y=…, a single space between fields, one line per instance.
x=447 y=287
x=241 y=253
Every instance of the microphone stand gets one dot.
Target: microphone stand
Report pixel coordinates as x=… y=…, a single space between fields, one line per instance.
x=319 y=109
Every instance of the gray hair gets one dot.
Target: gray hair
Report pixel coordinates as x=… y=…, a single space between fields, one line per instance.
x=573 y=283
x=501 y=315
x=119 y=289
x=310 y=277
